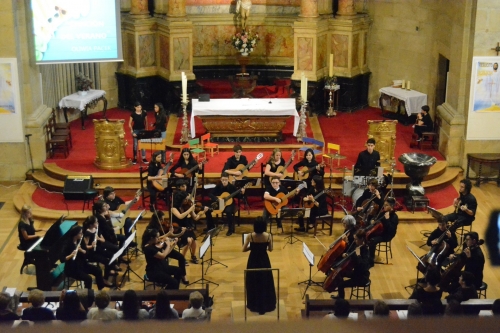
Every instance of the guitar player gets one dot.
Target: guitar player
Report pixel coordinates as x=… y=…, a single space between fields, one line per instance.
x=271 y=195
x=234 y=161
x=114 y=203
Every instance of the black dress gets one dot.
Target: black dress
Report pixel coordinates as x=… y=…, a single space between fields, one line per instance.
x=261 y=295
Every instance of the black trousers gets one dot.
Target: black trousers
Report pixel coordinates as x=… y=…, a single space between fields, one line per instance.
x=170 y=276
x=174 y=254
x=229 y=210
x=84 y=272
x=459 y=219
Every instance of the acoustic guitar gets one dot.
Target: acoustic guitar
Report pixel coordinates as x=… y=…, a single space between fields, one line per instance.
x=282 y=169
x=273 y=208
x=228 y=199
x=244 y=168
x=158 y=184
x=310 y=204
x=124 y=209
x=305 y=170
x=189 y=173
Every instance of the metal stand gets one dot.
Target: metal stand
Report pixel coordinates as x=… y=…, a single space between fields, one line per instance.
x=292 y=213
x=127 y=272
x=29 y=149
x=213 y=233
x=310 y=282
x=202 y=280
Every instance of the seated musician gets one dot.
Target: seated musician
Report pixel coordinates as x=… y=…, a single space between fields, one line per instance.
x=466 y=206
x=389 y=221
x=155 y=172
x=77 y=266
x=360 y=275
x=424 y=122
x=310 y=164
x=372 y=192
x=223 y=187
x=271 y=195
x=349 y=224
x=137 y=124
x=187 y=162
x=465 y=292
x=429 y=291
x=473 y=257
x=317 y=199
x=166 y=231
x=157 y=267
x=234 y=161
x=26 y=229
x=367 y=160
x=183 y=215
x=272 y=166
x=112 y=239
x=450 y=238
x=114 y=203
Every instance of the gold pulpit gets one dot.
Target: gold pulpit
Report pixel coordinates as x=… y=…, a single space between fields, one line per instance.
x=384 y=133
x=110 y=144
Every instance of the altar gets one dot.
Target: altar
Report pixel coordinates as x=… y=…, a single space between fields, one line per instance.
x=231 y=118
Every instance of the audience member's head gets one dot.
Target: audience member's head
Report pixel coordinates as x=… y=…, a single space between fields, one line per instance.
x=453 y=308
x=415 y=310
x=102 y=299
x=71 y=301
x=432 y=277
x=466 y=279
x=162 y=307
x=341 y=308
x=130 y=305
x=196 y=299
x=495 y=308
x=4 y=301
x=381 y=309
x=36 y=298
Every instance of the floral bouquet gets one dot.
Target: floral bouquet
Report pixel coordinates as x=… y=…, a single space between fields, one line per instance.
x=83 y=83
x=244 y=42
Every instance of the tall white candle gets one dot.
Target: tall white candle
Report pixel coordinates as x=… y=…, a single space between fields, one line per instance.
x=403 y=85
x=184 y=87
x=330 y=73
x=408 y=86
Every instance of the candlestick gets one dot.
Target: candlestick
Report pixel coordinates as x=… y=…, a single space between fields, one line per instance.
x=302 y=77
x=330 y=73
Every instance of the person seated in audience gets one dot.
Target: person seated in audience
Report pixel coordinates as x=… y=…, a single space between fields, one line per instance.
x=35 y=312
x=431 y=290
x=432 y=307
x=453 y=309
x=131 y=307
x=341 y=310
x=465 y=292
x=195 y=309
x=414 y=310
x=70 y=307
x=495 y=308
x=7 y=316
x=162 y=309
x=101 y=311
x=380 y=309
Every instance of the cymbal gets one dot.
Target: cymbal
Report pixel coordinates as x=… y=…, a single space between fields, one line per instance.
x=336 y=156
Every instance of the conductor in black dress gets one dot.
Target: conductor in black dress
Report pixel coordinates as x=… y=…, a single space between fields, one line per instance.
x=367 y=160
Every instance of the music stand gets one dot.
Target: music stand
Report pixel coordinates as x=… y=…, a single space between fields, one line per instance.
x=139 y=217
x=212 y=233
x=119 y=253
x=148 y=135
x=292 y=213
x=310 y=259
x=203 y=249
x=413 y=286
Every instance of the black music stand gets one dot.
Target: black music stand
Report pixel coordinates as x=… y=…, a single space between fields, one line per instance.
x=413 y=286
x=212 y=233
x=291 y=213
x=239 y=183
x=148 y=135
x=203 y=249
x=310 y=259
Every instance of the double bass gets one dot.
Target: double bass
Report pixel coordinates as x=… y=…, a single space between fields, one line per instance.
x=369 y=208
x=436 y=254
x=339 y=270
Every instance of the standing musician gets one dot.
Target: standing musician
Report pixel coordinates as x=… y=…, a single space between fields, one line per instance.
x=271 y=194
x=235 y=160
x=372 y=192
x=311 y=164
x=186 y=161
x=360 y=275
x=465 y=205
x=272 y=167
x=473 y=257
x=26 y=229
x=223 y=187
x=450 y=238
x=157 y=267
x=367 y=160
x=137 y=124
x=155 y=172
x=114 y=203
x=183 y=215
x=390 y=221
x=424 y=122
x=319 y=207
x=160 y=124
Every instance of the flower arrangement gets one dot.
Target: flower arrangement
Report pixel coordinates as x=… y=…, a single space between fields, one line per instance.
x=83 y=83
x=244 y=42
x=330 y=81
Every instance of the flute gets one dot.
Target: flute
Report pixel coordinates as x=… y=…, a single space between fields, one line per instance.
x=96 y=235
x=77 y=247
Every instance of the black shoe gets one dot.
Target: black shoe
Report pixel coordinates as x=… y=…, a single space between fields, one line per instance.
x=280 y=226
x=184 y=282
x=151 y=208
x=145 y=161
x=301 y=229
x=310 y=226
x=229 y=232
x=334 y=297
x=133 y=244
x=134 y=161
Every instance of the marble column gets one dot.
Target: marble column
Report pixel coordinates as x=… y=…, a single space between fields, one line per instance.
x=309 y=8
x=346 y=8
x=139 y=9
x=161 y=7
x=125 y=6
x=176 y=8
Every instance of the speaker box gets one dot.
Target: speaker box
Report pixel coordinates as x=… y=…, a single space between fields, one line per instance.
x=75 y=187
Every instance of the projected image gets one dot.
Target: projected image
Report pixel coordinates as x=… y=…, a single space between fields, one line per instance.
x=75 y=30
x=487 y=87
x=6 y=92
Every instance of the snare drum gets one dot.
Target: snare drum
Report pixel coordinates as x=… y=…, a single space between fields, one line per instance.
x=357 y=194
x=359 y=181
x=347 y=186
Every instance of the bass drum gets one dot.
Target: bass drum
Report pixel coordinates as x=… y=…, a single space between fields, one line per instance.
x=357 y=194
x=347 y=186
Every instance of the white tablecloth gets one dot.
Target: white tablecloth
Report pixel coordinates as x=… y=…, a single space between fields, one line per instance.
x=76 y=101
x=413 y=99
x=246 y=107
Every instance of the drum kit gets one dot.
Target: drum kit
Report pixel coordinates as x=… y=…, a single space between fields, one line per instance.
x=354 y=186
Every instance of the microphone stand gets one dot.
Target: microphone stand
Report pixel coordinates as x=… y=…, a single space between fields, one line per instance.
x=29 y=149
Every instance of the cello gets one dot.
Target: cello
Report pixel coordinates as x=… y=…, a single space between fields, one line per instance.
x=334 y=251
x=368 y=209
x=438 y=251
x=339 y=270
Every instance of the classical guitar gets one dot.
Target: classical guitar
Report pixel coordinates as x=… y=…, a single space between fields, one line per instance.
x=158 y=184
x=189 y=173
x=244 y=168
x=310 y=204
x=273 y=208
x=305 y=171
x=227 y=200
x=282 y=169
x=124 y=209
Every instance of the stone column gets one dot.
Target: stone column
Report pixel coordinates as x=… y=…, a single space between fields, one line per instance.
x=139 y=9
x=346 y=8
x=161 y=7
x=309 y=8
x=176 y=8
x=125 y=6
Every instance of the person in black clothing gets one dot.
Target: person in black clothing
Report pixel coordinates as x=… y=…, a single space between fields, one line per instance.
x=155 y=172
x=156 y=252
x=367 y=160
x=77 y=267
x=223 y=187
x=450 y=238
x=160 y=123
x=360 y=275
x=473 y=257
x=186 y=161
x=390 y=223
x=466 y=206
x=465 y=292
x=6 y=314
x=310 y=164
x=372 y=208
x=318 y=200
x=70 y=308
x=114 y=203
x=137 y=124
x=272 y=166
x=235 y=160
x=430 y=292
x=36 y=312
x=349 y=224
x=424 y=123
x=26 y=229
x=271 y=195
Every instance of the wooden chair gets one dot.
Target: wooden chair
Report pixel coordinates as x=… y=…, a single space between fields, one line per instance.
x=330 y=148
x=430 y=140
x=143 y=179
x=194 y=146
x=309 y=143
x=60 y=132
x=55 y=144
x=206 y=144
x=328 y=218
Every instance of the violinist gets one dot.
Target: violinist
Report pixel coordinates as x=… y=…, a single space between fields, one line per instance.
x=310 y=163
x=370 y=197
x=183 y=214
x=114 y=203
x=367 y=160
x=157 y=267
x=473 y=259
x=157 y=223
x=223 y=187
x=360 y=275
x=155 y=172
x=389 y=220
x=465 y=205
x=318 y=201
x=186 y=161
x=271 y=194
x=450 y=238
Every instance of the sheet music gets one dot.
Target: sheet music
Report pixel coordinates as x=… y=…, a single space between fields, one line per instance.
x=204 y=247
x=244 y=237
x=308 y=254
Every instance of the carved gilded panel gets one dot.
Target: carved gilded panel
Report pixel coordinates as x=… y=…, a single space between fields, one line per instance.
x=147 y=50
x=304 y=54
x=340 y=47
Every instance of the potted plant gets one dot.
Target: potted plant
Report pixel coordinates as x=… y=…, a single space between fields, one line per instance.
x=83 y=84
